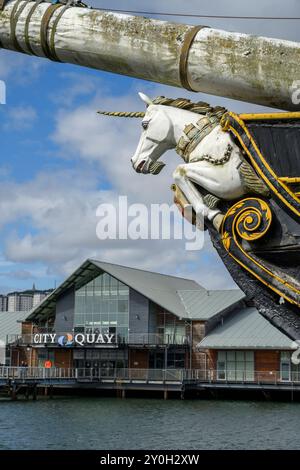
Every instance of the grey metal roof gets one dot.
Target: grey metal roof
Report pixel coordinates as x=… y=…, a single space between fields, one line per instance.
x=176 y=295
x=160 y=288
x=10 y=323
x=247 y=329
x=204 y=304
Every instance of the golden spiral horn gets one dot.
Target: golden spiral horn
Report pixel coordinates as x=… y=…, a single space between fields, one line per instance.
x=137 y=114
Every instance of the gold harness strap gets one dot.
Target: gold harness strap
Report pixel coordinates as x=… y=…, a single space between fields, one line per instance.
x=195 y=133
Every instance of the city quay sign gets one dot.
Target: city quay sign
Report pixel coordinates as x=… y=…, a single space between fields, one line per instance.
x=69 y=339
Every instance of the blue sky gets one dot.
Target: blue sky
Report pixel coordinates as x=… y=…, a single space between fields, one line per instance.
x=60 y=160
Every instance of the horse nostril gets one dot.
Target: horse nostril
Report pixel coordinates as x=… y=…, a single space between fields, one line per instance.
x=140 y=166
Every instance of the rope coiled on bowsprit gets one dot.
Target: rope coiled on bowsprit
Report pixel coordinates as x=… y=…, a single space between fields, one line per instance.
x=125 y=114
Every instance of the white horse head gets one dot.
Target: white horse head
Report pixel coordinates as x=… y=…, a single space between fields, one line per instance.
x=157 y=137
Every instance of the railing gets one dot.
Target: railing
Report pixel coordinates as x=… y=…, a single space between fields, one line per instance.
x=241 y=376
x=36 y=373
x=91 y=374
x=133 y=338
x=148 y=375
x=144 y=375
x=157 y=339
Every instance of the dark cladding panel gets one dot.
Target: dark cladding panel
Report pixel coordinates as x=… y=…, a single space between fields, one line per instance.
x=279 y=143
x=138 y=313
x=64 y=319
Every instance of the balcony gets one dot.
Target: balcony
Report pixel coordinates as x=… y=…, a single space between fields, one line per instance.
x=156 y=339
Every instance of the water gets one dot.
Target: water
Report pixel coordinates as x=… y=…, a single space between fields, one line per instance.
x=112 y=423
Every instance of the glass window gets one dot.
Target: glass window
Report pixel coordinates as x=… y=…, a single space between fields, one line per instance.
x=221 y=370
x=240 y=355
x=113 y=306
x=230 y=355
x=106 y=284
x=104 y=306
x=235 y=365
x=221 y=355
x=240 y=365
x=249 y=355
x=101 y=304
x=113 y=286
x=285 y=366
x=285 y=356
x=123 y=290
x=231 y=370
x=123 y=305
x=285 y=371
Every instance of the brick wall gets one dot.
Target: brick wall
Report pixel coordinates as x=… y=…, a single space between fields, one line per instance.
x=266 y=362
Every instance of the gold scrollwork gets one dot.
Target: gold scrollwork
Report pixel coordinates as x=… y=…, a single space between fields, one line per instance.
x=250 y=219
x=252 y=222
x=225 y=122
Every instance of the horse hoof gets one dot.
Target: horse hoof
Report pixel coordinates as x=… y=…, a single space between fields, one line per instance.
x=217 y=221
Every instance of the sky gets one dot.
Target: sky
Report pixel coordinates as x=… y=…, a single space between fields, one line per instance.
x=60 y=160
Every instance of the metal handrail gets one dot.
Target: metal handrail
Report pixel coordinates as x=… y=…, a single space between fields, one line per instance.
x=162 y=375
x=93 y=374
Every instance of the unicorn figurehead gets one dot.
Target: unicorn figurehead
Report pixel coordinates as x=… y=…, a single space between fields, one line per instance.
x=158 y=135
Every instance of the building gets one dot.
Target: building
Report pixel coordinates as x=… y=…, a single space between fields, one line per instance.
x=116 y=322
x=248 y=348
x=23 y=301
x=147 y=320
x=38 y=296
x=19 y=302
x=3 y=303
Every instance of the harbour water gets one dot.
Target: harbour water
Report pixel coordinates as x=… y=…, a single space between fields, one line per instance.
x=111 y=423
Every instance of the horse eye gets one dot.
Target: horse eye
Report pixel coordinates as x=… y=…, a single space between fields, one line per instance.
x=145 y=124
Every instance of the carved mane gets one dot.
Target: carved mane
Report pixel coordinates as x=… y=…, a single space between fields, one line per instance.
x=183 y=103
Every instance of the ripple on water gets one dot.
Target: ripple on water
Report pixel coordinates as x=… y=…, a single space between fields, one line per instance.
x=110 y=423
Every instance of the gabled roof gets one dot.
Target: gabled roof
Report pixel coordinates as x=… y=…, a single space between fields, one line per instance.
x=204 y=304
x=160 y=288
x=182 y=297
x=246 y=329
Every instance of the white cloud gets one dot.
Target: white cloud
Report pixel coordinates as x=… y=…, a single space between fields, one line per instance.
x=19 y=118
x=61 y=207
x=20 y=68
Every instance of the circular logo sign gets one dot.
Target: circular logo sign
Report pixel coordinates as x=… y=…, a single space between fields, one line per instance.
x=48 y=364
x=65 y=340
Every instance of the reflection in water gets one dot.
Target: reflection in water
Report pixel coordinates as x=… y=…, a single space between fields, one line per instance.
x=110 y=423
